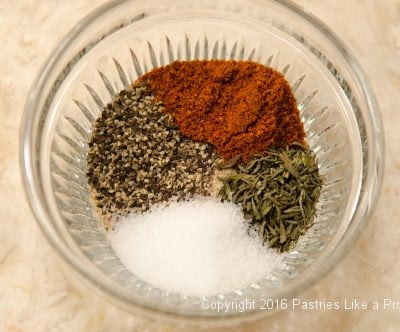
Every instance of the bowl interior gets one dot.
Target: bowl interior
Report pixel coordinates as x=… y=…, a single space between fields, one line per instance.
x=123 y=55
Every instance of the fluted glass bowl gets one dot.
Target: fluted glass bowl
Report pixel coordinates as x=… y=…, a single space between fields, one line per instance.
x=120 y=41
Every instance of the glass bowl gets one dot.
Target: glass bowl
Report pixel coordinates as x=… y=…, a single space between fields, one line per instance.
x=121 y=40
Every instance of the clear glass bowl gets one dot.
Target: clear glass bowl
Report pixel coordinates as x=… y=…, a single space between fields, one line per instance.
x=118 y=42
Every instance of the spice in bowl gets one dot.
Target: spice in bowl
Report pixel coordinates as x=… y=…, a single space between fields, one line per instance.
x=197 y=247
x=240 y=107
x=137 y=156
x=200 y=168
x=278 y=192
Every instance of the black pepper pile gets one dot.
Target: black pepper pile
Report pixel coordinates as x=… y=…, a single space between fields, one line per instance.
x=137 y=157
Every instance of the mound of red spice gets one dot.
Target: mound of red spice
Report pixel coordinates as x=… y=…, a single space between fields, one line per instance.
x=240 y=107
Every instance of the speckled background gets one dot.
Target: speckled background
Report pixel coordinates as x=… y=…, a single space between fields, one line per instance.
x=34 y=294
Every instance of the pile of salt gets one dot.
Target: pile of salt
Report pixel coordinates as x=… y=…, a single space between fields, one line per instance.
x=199 y=247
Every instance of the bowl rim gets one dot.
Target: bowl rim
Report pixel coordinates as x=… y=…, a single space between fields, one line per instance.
x=367 y=200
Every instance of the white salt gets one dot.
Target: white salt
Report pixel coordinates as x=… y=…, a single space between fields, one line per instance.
x=199 y=247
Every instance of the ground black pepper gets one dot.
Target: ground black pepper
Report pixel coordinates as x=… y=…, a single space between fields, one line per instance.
x=137 y=157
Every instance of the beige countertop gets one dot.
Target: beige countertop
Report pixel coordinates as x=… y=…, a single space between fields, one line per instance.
x=34 y=294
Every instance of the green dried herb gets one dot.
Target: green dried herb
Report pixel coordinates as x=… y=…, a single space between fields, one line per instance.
x=279 y=190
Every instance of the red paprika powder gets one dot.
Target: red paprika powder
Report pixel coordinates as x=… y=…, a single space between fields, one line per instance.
x=240 y=107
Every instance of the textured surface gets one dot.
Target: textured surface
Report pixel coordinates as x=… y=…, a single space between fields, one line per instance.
x=34 y=294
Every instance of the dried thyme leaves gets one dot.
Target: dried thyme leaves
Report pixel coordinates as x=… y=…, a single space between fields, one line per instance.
x=278 y=192
x=137 y=157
